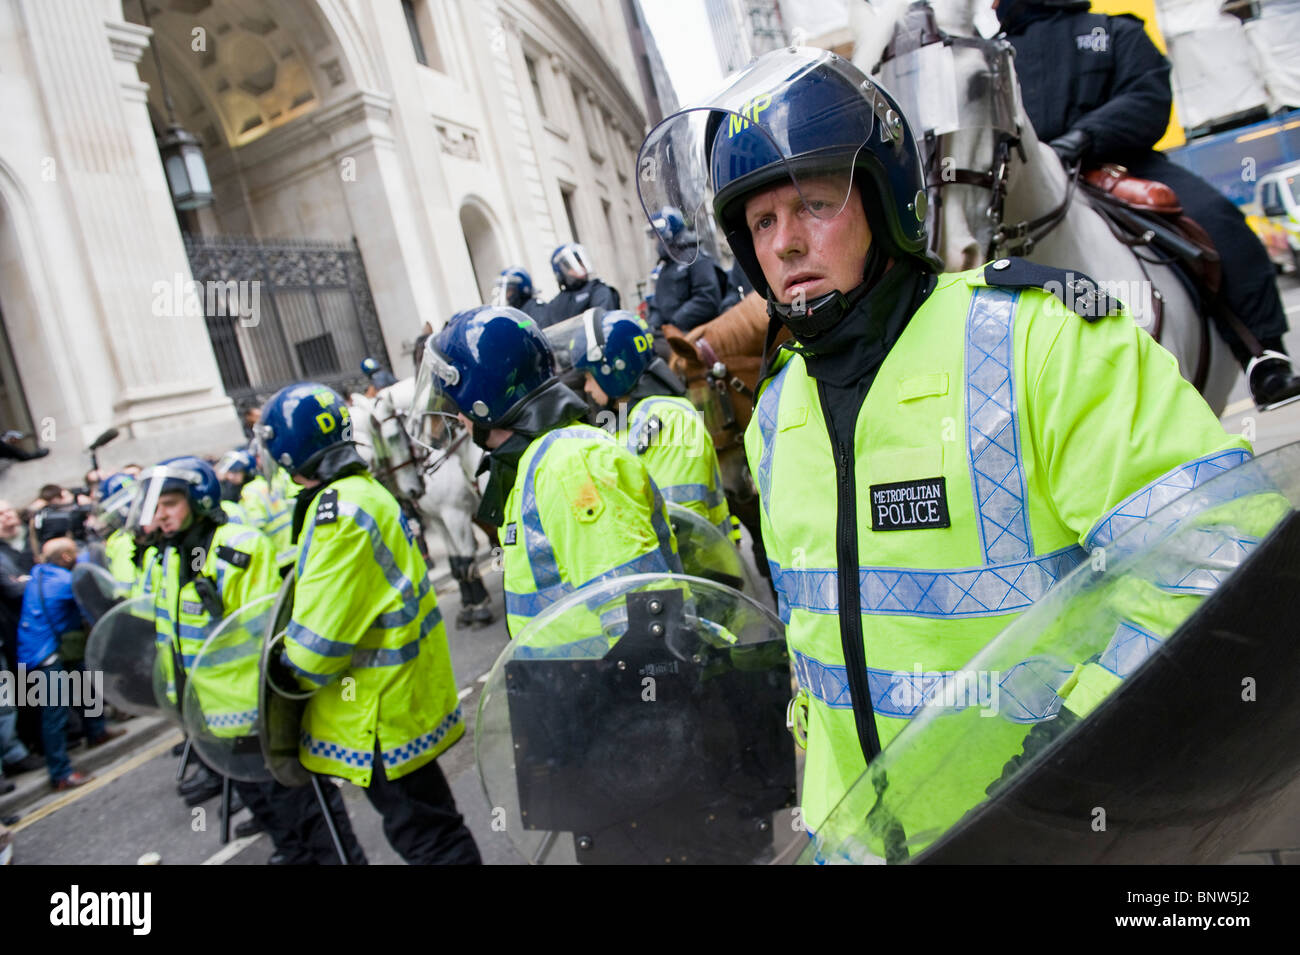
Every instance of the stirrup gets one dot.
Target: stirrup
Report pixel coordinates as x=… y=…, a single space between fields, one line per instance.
x=1269 y=355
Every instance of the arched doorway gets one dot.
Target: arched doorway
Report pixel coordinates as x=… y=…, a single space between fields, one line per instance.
x=485 y=253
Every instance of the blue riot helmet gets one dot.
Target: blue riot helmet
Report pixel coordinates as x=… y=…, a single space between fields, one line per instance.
x=571 y=265
x=614 y=347
x=483 y=364
x=667 y=223
x=116 y=492
x=795 y=115
x=300 y=426
x=188 y=475
x=514 y=287
x=369 y=366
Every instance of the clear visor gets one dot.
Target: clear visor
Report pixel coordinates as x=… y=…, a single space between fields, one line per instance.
x=114 y=509
x=572 y=263
x=925 y=83
x=574 y=340
x=266 y=465
x=231 y=462
x=143 y=512
x=750 y=132
x=432 y=423
x=501 y=290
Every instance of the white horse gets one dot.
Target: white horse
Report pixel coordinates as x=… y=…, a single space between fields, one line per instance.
x=977 y=86
x=445 y=496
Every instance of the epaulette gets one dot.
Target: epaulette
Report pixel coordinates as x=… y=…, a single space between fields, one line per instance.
x=236 y=558
x=327 y=506
x=1080 y=293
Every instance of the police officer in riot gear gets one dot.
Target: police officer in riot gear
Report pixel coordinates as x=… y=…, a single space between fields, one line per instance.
x=579 y=287
x=816 y=180
x=1097 y=90
x=514 y=287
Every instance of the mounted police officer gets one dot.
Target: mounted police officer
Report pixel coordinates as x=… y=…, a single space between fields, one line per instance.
x=930 y=450
x=514 y=287
x=686 y=294
x=579 y=287
x=574 y=504
x=1097 y=90
x=366 y=633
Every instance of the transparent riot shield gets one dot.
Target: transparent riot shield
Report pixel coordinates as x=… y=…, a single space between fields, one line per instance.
x=1142 y=712
x=96 y=590
x=642 y=720
x=707 y=552
x=280 y=704
x=221 y=691
x=123 y=646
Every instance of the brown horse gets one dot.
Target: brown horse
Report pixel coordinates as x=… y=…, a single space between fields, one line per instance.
x=719 y=361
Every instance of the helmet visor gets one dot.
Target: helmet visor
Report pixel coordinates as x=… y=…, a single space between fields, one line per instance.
x=925 y=83
x=432 y=422
x=155 y=482
x=114 y=509
x=575 y=342
x=762 y=131
x=572 y=263
x=266 y=465
x=501 y=290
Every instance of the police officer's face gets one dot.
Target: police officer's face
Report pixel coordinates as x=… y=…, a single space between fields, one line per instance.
x=171 y=514
x=803 y=250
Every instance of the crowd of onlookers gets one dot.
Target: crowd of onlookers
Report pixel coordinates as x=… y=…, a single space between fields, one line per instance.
x=44 y=628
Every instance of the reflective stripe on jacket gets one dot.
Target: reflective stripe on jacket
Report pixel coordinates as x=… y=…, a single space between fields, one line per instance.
x=582 y=508
x=1001 y=435
x=366 y=631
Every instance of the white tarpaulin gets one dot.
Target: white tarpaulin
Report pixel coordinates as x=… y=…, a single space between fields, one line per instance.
x=1275 y=38
x=1214 y=73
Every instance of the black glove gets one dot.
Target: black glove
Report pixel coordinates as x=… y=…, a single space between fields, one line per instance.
x=1072 y=147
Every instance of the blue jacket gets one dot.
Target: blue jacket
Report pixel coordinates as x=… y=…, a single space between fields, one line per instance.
x=49 y=611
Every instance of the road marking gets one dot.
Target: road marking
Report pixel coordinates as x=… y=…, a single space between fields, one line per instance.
x=98 y=782
x=232 y=849
x=464 y=693
x=484 y=677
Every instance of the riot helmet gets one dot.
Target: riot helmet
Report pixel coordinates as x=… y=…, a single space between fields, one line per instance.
x=800 y=116
x=486 y=364
x=571 y=265
x=514 y=287
x=188 y=475
x=614 y=347
x=300 y=426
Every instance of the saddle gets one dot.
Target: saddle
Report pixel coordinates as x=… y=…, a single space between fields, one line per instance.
x=1145 y=212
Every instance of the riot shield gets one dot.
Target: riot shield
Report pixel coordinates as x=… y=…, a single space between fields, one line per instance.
x=123 y=646
x=707 y=552
x=280 y=704
x=221 y=691
x=96 y=590
x=1141 y=712
x=642 y=720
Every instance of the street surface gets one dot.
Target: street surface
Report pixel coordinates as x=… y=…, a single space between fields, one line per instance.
x=132 y=807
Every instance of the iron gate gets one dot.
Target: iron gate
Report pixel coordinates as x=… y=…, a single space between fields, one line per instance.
x=313 y=319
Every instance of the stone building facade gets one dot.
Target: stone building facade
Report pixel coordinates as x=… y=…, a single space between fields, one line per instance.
x=441 y=139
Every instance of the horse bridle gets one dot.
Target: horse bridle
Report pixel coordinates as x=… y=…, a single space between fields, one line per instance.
x=1021 y=237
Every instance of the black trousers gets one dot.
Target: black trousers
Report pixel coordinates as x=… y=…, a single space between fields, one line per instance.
x=420 y=816
x=1249 y=284
x=296 y=825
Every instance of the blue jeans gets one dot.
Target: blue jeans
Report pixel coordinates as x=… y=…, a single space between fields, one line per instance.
x=12 y=749
x=54 y=724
